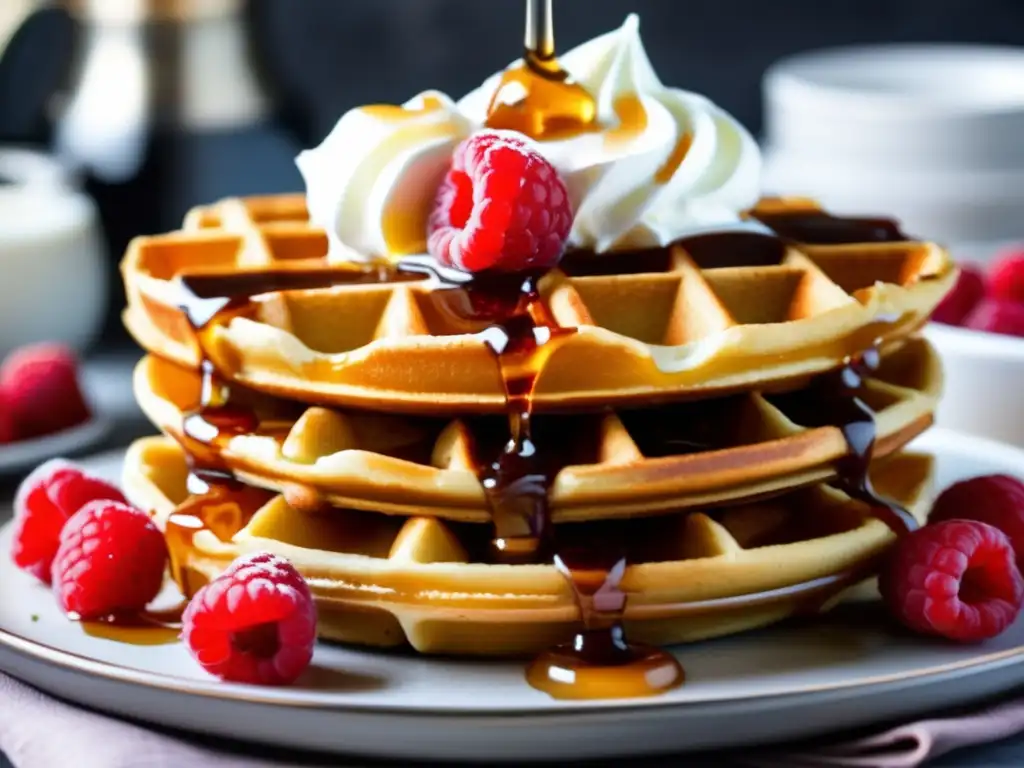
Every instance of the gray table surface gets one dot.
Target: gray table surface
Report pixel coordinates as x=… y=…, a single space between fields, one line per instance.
x=107 y=378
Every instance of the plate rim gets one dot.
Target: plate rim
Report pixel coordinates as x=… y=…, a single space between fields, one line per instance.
x=22 y=453
x=68 y=661
x=72 y=662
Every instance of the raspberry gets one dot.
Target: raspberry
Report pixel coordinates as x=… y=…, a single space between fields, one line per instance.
x=993 y=316
x=501 y=207
x=255 y=623
x=994 y=499
x=111 y=558
x=1006 y=277
x=7 y=433
x=966 y=294
x=957 y=579
x=43 y=392
x=44 y=502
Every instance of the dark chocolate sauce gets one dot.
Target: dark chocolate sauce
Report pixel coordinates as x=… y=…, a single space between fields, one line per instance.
x=207 y=296
x=820 y=228
x=835 y=400
x=741 y=249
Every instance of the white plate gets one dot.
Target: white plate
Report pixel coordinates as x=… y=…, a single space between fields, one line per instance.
x=799 y=680
x=22 y=456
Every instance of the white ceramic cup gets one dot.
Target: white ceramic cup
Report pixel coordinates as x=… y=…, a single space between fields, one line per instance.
x=904 y=106
x=53 y=285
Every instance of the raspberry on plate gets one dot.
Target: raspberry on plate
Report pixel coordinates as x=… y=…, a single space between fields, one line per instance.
x=502 y=207
x=44 y=502
x=997 y=316
x=994 y=499
x=1006 y=277
x=7 y=433
x=43 y=391
x=957 y=579
x=967 y=293
x=255 y=623
x=111 y=559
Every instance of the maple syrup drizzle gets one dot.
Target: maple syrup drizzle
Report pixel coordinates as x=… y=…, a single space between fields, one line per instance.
x=147 y=627
x=835 y=400
x=537 y=97
x=518 y=481
x=219 y=503
x=600 y=662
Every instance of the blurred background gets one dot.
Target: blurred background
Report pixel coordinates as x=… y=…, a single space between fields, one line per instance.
x=153 y=106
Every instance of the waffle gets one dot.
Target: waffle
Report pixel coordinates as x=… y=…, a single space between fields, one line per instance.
x=687 y=321
x=739 y=446
x=383 y=580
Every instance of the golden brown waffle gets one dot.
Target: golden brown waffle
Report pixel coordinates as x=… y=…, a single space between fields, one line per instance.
x=617 y=464
x=385 y=580
x=670 y=323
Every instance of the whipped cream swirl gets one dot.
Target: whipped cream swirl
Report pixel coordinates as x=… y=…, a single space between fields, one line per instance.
x=663 y=163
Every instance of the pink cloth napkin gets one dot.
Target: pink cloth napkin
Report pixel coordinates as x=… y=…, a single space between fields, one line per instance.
x=908 y=746
x=37 y=731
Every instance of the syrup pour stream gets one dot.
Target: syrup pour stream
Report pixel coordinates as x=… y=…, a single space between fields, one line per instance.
x=599 y=662
x=835 y=400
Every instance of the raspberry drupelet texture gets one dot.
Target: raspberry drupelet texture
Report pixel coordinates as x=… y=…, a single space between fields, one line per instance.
x=111 y=559
x=994 y=499
x=501 y=207
x=42 y=390
x=997 y=316
x=7 y=433
x=1006 y=277
x=957 y=579
x=965 y=295
x=255 y=623
x=43 y=504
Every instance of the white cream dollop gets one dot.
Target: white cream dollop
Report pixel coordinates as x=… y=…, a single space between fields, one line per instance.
x=371 y=183
x=664 y=163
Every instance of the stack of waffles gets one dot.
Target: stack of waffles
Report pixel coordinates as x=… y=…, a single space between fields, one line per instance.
x=714 y=430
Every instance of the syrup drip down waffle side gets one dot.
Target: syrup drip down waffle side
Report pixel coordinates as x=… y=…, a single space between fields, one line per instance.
x=711 y=315
x=385 y=580
x=614 y=464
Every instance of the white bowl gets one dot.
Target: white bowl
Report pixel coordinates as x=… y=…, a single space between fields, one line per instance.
x=902 y=106
x=54 y=285
x=984 y=380
x=927 y=134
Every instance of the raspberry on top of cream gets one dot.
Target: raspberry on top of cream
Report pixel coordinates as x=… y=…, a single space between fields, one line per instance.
x=659 y=164
x=371 y=183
